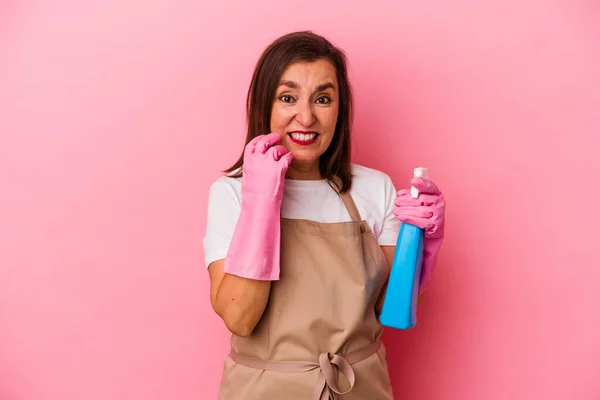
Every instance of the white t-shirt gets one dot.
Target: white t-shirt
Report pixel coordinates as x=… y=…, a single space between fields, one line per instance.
x=372 y=191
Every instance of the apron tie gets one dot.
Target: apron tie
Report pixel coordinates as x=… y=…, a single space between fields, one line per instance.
x=326 y=387
x=327 y=382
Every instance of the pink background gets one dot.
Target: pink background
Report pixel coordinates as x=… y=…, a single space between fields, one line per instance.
x=116 y=116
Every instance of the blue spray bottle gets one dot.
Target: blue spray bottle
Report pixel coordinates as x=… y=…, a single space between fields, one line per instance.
x=400 y=303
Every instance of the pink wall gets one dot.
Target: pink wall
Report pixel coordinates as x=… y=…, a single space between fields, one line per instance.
x=116 y=116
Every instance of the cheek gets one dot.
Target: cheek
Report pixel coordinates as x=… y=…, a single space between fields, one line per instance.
x=280 y=119
x=330 y=120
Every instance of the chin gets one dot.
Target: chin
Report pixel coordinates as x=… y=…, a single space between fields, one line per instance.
x=305 y=157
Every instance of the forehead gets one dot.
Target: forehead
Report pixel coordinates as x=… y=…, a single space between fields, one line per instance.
x=311 y=73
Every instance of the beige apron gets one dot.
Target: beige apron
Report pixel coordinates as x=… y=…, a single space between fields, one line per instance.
x=319 y=337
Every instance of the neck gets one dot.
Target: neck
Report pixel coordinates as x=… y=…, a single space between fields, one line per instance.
x=306 y=172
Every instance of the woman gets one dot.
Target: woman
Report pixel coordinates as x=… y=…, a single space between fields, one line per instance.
x=299 y=240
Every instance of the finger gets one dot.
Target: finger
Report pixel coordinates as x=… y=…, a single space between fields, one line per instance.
x=422 y=200
x=255 y=139
x=267 y=141
x=425 y=186
x=422 y=223
x=417 y=212
x=286 y=159
x=277 y=151
x=284 y=163
x=251 y=146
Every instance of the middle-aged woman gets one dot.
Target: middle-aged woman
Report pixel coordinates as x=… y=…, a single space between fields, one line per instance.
x=299 y=240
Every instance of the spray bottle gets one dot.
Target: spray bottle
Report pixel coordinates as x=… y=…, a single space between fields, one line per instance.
x=400 y=303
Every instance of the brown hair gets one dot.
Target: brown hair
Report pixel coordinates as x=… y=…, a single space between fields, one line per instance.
x=294 y=47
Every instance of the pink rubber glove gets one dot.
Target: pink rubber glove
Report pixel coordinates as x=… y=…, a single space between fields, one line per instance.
x=255 y=247
x=427 y=212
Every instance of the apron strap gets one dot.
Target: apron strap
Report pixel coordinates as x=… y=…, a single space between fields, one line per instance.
x=351 y=207
x=348 y=202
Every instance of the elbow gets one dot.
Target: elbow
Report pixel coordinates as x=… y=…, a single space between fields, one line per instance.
x=238 y=326
x=236 y=322
x=240 y=317
x=238 y=329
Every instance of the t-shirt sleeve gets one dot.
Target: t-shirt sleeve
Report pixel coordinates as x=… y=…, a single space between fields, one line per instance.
x=223 y=212
x=391 y=223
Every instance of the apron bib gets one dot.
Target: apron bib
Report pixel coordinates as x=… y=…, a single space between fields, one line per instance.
x=319 y=337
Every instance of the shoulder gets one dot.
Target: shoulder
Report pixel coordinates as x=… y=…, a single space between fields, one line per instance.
x=227 y=189
x=373 y=188
x=369 y=178
x=374 y=194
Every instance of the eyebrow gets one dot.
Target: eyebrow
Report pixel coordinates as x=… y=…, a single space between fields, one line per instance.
x=294 y=85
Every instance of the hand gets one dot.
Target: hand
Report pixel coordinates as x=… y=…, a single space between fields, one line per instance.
x=428 y=212
x=265 y=166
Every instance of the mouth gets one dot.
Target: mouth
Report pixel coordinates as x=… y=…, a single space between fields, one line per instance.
x=303 y=138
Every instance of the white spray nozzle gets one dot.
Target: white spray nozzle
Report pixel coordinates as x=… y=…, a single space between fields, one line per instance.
x=420 y=172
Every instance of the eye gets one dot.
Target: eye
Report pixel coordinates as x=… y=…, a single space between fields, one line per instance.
x=323 y=100
x=286 y=98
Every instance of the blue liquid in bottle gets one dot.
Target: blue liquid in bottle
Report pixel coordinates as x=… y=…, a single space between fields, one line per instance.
x=400 y=303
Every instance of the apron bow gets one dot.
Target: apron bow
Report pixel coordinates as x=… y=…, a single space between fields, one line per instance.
x=329 y=364
x=327 y=386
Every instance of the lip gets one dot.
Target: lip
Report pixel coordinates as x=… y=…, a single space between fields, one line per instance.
x=303 y=143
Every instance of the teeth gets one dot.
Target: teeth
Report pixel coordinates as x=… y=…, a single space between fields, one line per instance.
x=303 y=137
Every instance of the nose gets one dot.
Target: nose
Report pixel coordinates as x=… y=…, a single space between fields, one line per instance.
x=305 y=115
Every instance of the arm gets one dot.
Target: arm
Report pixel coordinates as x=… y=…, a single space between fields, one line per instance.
x=243 y=236
x=240 y=302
